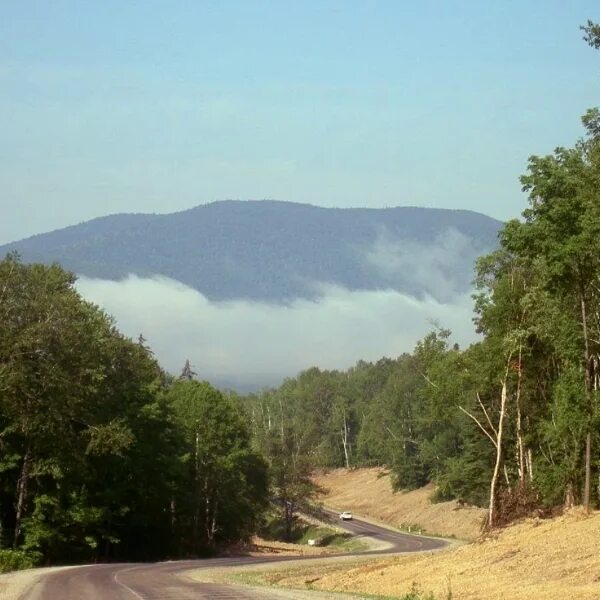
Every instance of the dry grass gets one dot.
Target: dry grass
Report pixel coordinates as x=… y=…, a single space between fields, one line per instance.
x=368 y=492
x=13 y=585
x=555 y=559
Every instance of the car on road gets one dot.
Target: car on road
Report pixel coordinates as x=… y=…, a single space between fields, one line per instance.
x=346 y=515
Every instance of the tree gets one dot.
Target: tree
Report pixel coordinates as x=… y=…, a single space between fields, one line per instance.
x=592 y=34
x=227 y=489
x=562 y=229
x=83 y=435
x=187 y=372
x=284 y=435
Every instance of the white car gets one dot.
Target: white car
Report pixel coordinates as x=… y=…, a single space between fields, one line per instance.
x=346 y=515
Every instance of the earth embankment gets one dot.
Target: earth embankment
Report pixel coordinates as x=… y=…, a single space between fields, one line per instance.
x=369 y=493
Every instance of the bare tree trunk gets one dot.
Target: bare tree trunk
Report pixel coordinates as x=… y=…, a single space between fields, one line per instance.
x=530 y=464
x=588 y=472
x=506 y=477
x=345 y=441
x=289 y=519
x=492 y=509
x=520 y=444
x=569 y=496
x=173 y=510
x=211 y=521
x=282 y=423
x=588 y=389
x=196 y=522
x=22 y=487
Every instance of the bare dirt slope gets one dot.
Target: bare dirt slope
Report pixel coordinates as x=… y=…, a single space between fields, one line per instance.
x=555 y=560
x=368 y=492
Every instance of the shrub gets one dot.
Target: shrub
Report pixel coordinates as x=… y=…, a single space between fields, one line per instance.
x=15 y=560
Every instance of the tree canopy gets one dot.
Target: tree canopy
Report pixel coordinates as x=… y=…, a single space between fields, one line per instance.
x=102 y=455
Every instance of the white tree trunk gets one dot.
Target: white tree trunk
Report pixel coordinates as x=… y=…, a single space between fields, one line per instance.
x=492 y=510
x=345 y=434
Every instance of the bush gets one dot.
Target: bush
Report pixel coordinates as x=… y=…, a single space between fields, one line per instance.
x=15 y=560
x=417 y=594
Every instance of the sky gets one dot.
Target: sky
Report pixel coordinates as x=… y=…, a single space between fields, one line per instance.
x=153 y=106
x=147 y=106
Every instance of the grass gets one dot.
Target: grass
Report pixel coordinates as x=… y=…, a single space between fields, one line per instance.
x=369 y=492
x=273 y=577
x=265 y=578
x=330 y=538
x=418 y=529
x=302 y=532
x=552 y=559
x=15 y=560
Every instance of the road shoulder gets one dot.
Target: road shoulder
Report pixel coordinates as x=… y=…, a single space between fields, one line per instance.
x=14 y=585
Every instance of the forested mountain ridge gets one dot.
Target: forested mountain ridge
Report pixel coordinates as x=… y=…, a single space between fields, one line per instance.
x=276 y=251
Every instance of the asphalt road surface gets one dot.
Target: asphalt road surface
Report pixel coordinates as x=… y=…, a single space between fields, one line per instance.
x=164 y=581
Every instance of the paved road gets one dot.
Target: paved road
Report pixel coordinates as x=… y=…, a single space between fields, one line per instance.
x=163 y=581
x=394 y=541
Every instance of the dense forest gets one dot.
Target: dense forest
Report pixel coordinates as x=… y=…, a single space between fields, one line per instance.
x=272 y=251
x=104 y=456
x=512 y=422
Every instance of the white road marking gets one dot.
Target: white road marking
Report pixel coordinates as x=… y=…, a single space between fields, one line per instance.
x=124 y=585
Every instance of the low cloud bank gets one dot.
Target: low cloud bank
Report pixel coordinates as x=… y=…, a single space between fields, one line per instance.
x=442 y=269
x=247 y=345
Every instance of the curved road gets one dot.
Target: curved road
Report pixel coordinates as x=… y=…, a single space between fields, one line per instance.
x=164 y=581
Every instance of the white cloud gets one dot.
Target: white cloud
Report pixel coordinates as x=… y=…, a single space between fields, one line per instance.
x=432 y=268
x=249 y=344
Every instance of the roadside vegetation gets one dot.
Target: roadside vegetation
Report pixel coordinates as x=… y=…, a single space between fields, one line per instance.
x=511 y=423
x=103 y=455
x=552 y=559
x=15 y=560
x=307 y=532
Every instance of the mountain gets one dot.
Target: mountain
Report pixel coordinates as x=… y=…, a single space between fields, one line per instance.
x=277 y=251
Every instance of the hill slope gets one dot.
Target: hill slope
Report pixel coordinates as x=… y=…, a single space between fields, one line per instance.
x=555 y=559
x=368 y=492
x=277 y=251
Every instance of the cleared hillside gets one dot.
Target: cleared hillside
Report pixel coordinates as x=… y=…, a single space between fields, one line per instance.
x=368 y=492
x=551 y=560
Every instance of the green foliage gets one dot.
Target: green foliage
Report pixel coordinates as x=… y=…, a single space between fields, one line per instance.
x=228 y=491
x=95 y=441
x=562 y=438
x=416 y=593
x=16 y=560
x=592 y=34
x=518 y=407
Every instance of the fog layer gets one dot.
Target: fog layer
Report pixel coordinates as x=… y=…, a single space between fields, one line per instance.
x=246 y=345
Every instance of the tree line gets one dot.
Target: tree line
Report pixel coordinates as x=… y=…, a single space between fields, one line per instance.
x=511 y=422
x=103 y=456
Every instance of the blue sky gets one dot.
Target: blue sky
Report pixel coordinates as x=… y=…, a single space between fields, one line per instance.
x=120 y=106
